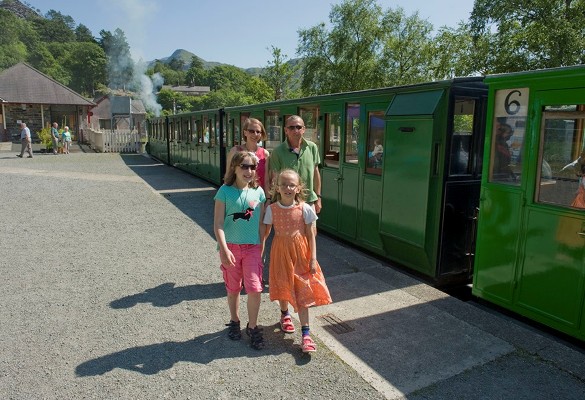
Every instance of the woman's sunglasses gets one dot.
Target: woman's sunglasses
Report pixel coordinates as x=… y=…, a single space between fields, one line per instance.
x=248 y=166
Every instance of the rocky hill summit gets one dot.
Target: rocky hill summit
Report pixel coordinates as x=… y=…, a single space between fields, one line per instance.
x=19 y=9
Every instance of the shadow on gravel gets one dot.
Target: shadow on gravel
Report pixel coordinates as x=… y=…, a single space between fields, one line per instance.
x=167 y=295
x=191 y=195
x=152 y=359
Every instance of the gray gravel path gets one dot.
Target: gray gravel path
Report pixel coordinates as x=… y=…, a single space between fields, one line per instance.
x=110 y=289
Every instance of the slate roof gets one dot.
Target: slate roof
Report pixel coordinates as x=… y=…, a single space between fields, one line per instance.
x=137 y=107
x=197 y=90
x=21 y=83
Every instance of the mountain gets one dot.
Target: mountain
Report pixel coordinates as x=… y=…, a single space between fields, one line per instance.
x=185 y=57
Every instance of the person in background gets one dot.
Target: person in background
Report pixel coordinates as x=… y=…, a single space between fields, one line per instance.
x=378 y=148
x=300 y=155
x=25 y=140
x=254 y=133
x=503 y=155
x=295 y=274
x=239 y=233
x=55 y=137
x=66 y=137
x=376 y=154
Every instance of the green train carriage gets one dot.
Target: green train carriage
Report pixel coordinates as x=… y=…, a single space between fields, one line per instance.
x=531 y=229
x=193 y=142
x=415 y=203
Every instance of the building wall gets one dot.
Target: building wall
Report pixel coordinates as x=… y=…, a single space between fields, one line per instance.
x=36 y=120
x=29 y=114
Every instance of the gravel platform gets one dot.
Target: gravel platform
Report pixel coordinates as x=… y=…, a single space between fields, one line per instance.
x=111 y=289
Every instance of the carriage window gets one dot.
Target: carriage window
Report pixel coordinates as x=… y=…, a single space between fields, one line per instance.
x=352 y=133
x=375 y=142
x=561 y=158
x=185 y=132
x=224 y=125
x=273 y=129
x=212 y=132
x=310 y=116
x=332 y=139
x=216 y=132
x=461 y=141
x=205 y=133
x=230 y=131
x=179 y=125
x=510 y=113
x=239 y=138
x=178 y=128
x=173 y=129
x=196 y=131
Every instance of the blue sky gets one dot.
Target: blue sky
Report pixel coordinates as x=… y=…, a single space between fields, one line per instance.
x=237 y=32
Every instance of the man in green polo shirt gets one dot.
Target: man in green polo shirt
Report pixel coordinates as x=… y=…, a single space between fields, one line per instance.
x=301 y=155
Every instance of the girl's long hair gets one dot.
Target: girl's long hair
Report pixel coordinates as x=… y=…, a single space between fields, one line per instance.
x=300 y=196
x=230 y=175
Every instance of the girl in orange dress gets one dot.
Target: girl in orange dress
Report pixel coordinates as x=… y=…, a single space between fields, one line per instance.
x=294 y=273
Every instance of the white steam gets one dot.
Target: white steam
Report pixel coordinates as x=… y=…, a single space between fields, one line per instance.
x=148 y=87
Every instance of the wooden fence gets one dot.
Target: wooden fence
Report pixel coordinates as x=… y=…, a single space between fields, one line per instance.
x=118 y=141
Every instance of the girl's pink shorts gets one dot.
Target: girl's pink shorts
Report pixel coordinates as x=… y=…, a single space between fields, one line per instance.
x=248 y=269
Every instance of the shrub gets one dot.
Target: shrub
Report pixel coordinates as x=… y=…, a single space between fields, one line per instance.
x=45 y=137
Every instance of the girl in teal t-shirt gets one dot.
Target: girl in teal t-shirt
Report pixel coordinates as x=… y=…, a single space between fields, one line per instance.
x=239 y=231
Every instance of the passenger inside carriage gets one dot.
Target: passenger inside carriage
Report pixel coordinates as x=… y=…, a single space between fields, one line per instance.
x=375 y=156
x=579 y=168
x=503 y=155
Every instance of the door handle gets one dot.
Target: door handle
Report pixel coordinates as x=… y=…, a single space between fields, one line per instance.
x=582 y=234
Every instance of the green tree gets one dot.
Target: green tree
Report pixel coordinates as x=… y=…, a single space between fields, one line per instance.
x=408 y=49
x=86 y=62
x=366 y=47
x=83 y=34
x=177 y=64
x=345 y=57
x=225 y=97
x=258 y=90
x=529 y=34
x=120 y=64
x=12 y=48
x=453 y=53
x=48 y=58
x=196 y=73
x=226 y=76
x=166 y=98
x=279 y=74
x=55 y=27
